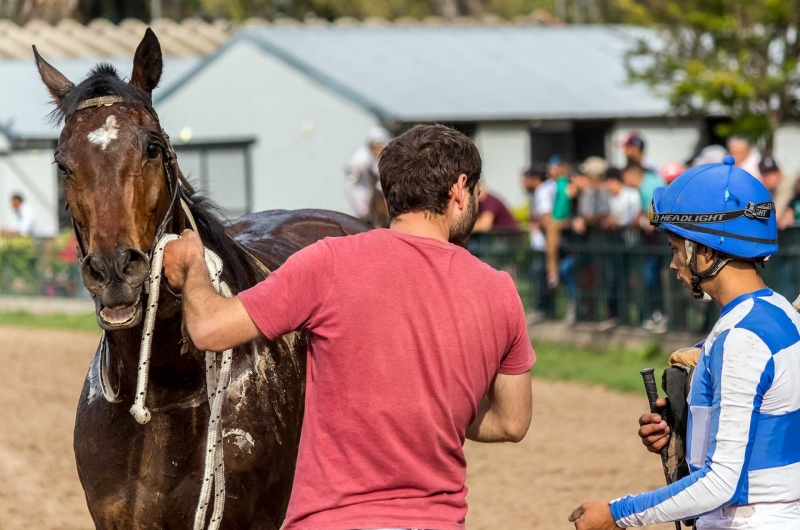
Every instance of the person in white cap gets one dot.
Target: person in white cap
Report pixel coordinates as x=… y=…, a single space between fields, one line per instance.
x=362 y=184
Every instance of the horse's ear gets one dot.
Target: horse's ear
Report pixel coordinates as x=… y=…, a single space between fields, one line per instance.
x=58 y=85
x=147 y=63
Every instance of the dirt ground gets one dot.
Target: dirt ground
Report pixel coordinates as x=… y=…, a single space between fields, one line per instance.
x=582 y=445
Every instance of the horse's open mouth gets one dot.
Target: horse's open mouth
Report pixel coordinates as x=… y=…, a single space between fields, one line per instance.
x=119 y=318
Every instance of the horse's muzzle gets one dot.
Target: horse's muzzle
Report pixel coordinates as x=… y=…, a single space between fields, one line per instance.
x=115 y=280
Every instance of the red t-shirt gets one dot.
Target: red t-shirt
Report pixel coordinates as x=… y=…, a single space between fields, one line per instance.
x=406 y=334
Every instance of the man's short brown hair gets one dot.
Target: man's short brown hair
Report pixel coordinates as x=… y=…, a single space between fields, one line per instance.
x=419 y=167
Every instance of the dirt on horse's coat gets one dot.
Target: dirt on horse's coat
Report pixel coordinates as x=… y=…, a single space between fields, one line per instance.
x=123 y=187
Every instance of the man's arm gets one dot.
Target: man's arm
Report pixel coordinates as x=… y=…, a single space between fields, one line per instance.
x=215 y=323
x=504 y=414
x=484 y=223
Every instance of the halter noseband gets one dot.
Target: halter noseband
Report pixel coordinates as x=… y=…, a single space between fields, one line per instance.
x=174 y=178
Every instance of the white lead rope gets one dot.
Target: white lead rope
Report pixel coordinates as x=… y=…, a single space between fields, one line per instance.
x=217 y=380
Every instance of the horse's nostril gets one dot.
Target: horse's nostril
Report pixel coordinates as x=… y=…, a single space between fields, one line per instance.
x=96 y=269
x=131 y=263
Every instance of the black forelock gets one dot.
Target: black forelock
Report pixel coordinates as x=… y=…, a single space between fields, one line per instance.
x=103 y=80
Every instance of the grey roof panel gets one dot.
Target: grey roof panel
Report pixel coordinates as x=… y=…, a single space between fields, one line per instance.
x=25 y=103
x=471 y=73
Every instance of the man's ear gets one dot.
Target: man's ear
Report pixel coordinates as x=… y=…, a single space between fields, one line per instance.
x=708 y=253
x=459 y=191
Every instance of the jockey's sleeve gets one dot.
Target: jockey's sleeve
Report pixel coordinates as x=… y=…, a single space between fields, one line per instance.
x=739 y=369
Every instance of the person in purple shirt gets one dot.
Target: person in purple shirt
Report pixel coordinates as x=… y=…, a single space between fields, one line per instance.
x=493 y=214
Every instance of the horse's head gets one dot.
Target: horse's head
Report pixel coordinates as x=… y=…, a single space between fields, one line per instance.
x=113 y=159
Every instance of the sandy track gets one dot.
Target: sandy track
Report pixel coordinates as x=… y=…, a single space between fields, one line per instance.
x=582 y=445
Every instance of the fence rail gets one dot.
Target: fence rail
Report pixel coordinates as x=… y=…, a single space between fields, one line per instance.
x=40 y=267
x=605 y=275
x=620 y=275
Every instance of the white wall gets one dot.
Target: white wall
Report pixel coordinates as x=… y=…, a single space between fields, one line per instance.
x=664 y=141
x=32 y=174
x=305 y=133
x=506 y=151
x=787 y=154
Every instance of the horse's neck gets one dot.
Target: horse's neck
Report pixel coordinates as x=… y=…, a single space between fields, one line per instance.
x=170 y=371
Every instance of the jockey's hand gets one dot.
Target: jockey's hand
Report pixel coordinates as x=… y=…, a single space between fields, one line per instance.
x=653 y=430
x=180 y=255
x=593 y=516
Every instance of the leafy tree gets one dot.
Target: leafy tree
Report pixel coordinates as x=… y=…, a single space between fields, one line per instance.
x=739 y=57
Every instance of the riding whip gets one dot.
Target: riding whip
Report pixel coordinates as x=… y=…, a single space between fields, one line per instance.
x=649 y=378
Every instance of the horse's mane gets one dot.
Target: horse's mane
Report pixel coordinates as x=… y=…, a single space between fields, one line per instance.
x=103 y=80
x=211 y=224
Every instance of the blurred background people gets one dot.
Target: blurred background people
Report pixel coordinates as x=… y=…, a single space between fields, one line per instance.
x=710 y=154
x=29 y=221
x=744 y=155
x=592 y=195
x=624 y=203
x=780 y=187
x=362 y=183
x=634 y=146
x=671 y=170
x=493 y=214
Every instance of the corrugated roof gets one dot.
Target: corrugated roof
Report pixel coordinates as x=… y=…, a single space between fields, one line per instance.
x=25 y=103
x=470 y=73
x=192 y=37
x=101 y=38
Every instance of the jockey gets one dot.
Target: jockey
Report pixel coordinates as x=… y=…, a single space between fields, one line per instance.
x=744 y=403
x=362 y=181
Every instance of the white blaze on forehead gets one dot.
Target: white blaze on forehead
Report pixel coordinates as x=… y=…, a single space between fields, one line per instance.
x=105 y=134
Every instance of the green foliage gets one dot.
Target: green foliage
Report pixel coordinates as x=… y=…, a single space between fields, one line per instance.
x=22 y=319
x=27 y=265
x=738 y=57
x=613 y=369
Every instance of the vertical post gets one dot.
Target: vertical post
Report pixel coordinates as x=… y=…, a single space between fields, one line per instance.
x=561 y=9
x=248 y=178
x=155 y=9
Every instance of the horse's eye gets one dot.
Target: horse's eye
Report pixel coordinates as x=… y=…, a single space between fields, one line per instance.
x=153 y=150
x=62 y=169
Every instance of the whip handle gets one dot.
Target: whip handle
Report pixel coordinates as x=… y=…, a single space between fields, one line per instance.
x=649 y=378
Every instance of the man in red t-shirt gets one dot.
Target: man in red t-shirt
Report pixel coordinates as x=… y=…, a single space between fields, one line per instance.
x=415 y=345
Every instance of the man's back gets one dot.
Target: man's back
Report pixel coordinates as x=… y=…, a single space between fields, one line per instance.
x=407 y=334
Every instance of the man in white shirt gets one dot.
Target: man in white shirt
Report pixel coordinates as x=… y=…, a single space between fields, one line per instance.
x=624 y=203
x=29 y=222
x=362 y=182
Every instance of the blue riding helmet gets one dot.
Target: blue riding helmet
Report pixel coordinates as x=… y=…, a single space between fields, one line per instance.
x=722 y=207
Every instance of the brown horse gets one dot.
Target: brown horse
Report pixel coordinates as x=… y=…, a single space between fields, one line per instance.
x=124 y=190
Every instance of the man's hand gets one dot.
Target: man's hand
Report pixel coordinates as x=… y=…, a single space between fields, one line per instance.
x=593 y=516
x=181 y=254
x=653 y=430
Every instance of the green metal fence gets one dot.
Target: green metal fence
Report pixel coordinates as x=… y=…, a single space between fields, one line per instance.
x=40 y=267
x=620 y=275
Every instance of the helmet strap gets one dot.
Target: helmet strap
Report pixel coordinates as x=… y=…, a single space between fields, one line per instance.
x=698 y=276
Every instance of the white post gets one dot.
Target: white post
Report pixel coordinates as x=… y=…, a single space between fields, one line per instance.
x=155 y=9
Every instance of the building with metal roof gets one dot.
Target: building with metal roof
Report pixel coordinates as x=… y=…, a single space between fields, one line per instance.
x=307 y=96
x=272 y=116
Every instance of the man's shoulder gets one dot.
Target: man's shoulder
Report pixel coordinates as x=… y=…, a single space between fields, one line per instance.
x=767 y=320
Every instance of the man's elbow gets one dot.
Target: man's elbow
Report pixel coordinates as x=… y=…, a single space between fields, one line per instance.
x=203 y=336
x=516 y=428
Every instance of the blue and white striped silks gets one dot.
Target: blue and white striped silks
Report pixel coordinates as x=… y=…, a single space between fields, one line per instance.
x=743 y=442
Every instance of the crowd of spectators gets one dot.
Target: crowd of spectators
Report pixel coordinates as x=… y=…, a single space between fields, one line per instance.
x=572 y=198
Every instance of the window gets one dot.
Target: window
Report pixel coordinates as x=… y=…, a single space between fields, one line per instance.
x=221 y=170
